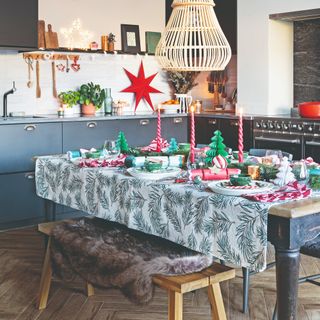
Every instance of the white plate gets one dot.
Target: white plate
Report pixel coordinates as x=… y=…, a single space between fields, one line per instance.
x=223 y=187
x=159 y=175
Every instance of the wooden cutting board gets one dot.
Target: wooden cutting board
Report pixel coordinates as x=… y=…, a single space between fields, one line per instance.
x=41 y=31
x=51 y=38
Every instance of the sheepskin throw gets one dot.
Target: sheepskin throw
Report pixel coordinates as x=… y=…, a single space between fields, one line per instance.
x=111 y=255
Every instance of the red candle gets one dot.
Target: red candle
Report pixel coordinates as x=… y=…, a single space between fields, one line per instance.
x=192 y=136
x=159 y=131
x=240 y=136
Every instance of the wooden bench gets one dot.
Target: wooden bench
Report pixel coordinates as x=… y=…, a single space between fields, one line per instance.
x=209 y=278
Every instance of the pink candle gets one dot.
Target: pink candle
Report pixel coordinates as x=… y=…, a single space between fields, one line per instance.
x=192 y=136
x=240 y=136
x=159 y=131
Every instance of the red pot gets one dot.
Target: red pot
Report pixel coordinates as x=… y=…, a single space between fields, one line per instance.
x=309 y=109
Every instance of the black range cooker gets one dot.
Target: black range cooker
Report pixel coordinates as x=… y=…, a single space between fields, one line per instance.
x=298 y=136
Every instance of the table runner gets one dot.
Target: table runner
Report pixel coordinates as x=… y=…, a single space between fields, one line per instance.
x=233 y=229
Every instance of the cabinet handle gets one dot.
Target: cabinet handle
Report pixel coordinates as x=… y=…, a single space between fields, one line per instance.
x=234 y=123
x=177 y=120
x=30 y=176
x=30 y=127
x=212 y=121
x=144 y=122
x=313 y=143
x=91 y=125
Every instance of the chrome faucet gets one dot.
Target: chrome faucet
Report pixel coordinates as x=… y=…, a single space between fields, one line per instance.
x=5 y=98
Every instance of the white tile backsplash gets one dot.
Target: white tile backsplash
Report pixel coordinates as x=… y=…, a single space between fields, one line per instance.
x=106 y=70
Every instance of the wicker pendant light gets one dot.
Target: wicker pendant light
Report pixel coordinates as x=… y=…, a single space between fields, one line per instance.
x=193 y=39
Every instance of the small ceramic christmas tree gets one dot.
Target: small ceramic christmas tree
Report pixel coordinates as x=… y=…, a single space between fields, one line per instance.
x=122 y=143
x=217 y=147
x=285 y=174
x=173 y=147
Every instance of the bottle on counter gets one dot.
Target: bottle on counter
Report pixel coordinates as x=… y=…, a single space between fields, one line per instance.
x=108 y=102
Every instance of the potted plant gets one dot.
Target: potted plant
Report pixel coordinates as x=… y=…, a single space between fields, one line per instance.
x=68 y=100
x=111 y=41
x=91 y=98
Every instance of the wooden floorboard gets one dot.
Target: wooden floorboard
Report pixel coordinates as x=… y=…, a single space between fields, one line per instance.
x=21 y=255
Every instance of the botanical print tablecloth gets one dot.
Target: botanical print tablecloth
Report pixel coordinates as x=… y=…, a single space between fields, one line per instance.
x=230 y=228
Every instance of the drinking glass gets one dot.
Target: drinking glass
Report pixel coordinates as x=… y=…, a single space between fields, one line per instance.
x=276 y=156
x=300 y=171
x=110 y=149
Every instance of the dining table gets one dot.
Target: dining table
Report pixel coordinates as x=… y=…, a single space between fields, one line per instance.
x=230 y=228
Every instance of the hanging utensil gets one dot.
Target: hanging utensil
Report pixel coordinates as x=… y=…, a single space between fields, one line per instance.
x=38 y=89
x=29 y=62
x=67 y=65
x=54 y=82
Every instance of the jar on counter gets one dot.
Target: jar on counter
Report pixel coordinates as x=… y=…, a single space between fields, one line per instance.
x=314 y=179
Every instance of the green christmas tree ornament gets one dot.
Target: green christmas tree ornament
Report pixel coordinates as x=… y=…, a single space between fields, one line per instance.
x=122 y=143
x=217 y=147
x=173 y=146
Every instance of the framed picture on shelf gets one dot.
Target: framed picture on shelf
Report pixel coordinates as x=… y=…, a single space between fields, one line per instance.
x=130 y=38
x=152 y=40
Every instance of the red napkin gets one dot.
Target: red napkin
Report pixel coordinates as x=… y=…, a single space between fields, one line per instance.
x=95 y=163
x=152 y=147
x=292 y=191
x=207 y=174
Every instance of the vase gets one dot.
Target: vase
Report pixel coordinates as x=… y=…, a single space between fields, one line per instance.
x=184 y=101
x=108 y=102
x=88 y=109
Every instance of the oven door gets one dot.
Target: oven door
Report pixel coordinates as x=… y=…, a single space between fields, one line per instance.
x=312 y=148
x=285 y=142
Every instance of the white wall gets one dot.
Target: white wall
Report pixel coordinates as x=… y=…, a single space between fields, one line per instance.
x=104 y=16
x=99 y=17
x=265 y=55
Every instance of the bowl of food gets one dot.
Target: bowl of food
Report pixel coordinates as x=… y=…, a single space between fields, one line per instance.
x=309 y=109
x=171 y=106
x=240 y=180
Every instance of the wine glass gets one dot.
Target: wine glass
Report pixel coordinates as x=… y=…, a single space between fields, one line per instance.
x=300 y=171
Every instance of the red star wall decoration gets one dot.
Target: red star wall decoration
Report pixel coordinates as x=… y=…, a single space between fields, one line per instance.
x=140 y=86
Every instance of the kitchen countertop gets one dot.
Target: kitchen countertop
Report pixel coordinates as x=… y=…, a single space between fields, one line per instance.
x=78 y=117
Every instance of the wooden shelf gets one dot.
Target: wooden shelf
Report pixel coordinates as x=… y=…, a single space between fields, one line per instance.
x=99 y=51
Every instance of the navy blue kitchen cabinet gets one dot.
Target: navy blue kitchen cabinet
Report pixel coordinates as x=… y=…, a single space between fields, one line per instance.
x=139 y=132
x=206 y=126
x=19 y=204
x=176 y=127
x=19 y=24
x=19 y=143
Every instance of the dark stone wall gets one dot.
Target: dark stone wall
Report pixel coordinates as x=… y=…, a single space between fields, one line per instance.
x=306 y=61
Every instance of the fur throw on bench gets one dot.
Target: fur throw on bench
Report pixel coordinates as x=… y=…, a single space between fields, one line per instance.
x=111 y=255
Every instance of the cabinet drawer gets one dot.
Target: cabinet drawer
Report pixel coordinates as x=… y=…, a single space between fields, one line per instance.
x=176 y=127
x=18 y=199
x=19 y=143
x=90 y=134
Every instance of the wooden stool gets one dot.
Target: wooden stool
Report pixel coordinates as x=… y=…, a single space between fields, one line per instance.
x=209 y=278
x=176 y=285
x=46 y=275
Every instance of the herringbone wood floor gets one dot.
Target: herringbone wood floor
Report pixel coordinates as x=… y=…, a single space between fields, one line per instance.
x=21 y=253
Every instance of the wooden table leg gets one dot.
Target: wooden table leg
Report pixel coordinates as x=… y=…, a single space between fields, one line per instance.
x=175 y=305
x=287 y=272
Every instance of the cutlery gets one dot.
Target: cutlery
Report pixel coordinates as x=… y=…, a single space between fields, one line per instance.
x=54 y=83
x=38 y=89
